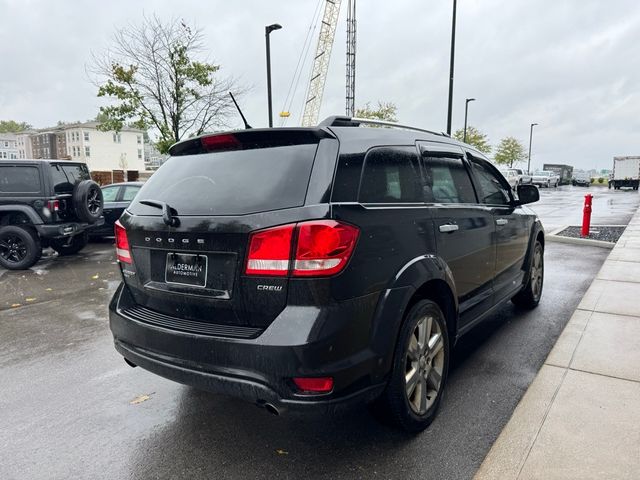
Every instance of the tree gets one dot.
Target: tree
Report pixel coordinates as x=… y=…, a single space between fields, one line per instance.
x=475 y=138
x=386 y=111
x=156 y=77
x=509 y=151
x=11 y=126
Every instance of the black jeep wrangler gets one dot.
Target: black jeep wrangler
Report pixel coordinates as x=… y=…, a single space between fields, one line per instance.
x=45 y=203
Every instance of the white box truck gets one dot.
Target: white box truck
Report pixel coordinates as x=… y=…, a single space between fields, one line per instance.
x=626 y=173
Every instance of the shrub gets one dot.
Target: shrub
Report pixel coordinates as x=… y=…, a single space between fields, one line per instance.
x=601 y=180
x=593 y=180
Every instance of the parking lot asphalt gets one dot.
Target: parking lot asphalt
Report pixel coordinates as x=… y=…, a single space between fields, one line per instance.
x=563 y=206
x=71 y=408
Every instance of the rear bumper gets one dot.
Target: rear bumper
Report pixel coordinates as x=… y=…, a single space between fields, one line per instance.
x=301 y=342
x=65 y=229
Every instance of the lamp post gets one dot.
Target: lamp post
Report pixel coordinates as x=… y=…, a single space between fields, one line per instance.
x=466 y=111
x=267 y=30
x=530 y=137
x=453 y=51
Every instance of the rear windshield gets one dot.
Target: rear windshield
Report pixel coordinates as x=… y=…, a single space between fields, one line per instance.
x=231 y=182
x=66 y=176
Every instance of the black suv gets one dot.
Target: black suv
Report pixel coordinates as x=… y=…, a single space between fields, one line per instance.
x=311 y=268
x=45 y=203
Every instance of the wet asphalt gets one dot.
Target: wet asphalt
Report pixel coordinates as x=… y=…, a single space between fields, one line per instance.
x=71 y=408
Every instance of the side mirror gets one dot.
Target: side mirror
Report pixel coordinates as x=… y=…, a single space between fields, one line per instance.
x=527 y=194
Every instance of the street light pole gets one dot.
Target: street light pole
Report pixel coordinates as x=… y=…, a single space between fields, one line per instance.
x=530 y=137
x=466 y=111
x=453 y=51
x=267 y=30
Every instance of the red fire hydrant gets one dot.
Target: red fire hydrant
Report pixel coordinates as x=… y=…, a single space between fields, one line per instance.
x=586 y=215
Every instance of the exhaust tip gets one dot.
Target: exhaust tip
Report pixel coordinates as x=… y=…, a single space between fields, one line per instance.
x=268 y=407
x=271 y=409
x=130 y=363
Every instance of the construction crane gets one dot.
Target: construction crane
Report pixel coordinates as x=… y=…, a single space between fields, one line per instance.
x=321 y=63
x=351 y=59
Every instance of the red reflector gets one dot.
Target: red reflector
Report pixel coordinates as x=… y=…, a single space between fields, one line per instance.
x=324 y=247
x=220 y=142
x=123 y=253
x=315 y=385
x=269 y=251
x=54 y=205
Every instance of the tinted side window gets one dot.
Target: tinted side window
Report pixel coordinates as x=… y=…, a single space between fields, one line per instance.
x=492 y=191
x=447 y=181
x=391 y=175
x=16 y=179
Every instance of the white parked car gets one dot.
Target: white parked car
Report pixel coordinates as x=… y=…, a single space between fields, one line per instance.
x=546 y=178
x=511 y=175
x=523 y=176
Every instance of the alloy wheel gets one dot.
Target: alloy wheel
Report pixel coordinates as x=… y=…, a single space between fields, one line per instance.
x=12 y=248
x=537 y=272
x=93 y=202
x=424 y=364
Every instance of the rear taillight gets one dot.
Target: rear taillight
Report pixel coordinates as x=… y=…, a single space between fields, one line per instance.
x=269 y=251
x=123 y=252
x=53 y=205
x=323 y=248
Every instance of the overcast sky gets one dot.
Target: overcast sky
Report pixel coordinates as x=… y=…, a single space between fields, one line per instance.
x=573 y=66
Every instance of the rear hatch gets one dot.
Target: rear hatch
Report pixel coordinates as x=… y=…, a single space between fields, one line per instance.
x=217 y=190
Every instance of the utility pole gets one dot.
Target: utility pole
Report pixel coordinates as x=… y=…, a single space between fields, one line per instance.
x=530 y=138
x=267 y=30
x=453 y=51
x=466 y=111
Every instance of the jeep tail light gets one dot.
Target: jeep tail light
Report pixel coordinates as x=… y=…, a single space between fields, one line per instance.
x=324 y=247
x=269 y=251
x=53 y=205
x=314 y=384
x=123 y=252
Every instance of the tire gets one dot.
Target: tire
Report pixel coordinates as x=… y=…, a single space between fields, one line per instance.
x=88 y=201
x=20 y=247
x=414 y=408
x=65 y=246
x=529 y=296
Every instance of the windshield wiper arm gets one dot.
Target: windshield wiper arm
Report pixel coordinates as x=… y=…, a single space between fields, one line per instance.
x=167 y=212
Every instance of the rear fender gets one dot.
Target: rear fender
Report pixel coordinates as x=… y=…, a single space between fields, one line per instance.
x=395 y=300
x=25 y=210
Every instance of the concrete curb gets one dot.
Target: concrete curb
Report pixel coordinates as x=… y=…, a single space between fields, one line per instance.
x=554 y=237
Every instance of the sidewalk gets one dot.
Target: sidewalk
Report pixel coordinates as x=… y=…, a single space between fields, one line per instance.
x=580 y=418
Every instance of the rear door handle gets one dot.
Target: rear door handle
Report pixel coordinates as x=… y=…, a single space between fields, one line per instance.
x=448 y=228
x=502 y=221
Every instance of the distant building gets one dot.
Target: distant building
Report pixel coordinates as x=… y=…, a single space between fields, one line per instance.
x=153 y=159
x=104 y=150
x=8 y=146
x=23 y=140
x=44 y=144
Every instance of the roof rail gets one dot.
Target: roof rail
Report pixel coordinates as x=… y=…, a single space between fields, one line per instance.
x=342 y=121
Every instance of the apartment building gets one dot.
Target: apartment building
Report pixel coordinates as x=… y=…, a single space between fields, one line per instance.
x=8 y=146
x=23 y=139
x=104 y=150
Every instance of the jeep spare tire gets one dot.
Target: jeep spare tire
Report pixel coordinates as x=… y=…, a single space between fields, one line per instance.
x=88 y=201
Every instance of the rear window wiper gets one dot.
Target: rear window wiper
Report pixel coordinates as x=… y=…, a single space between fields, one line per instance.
x=167 y=211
